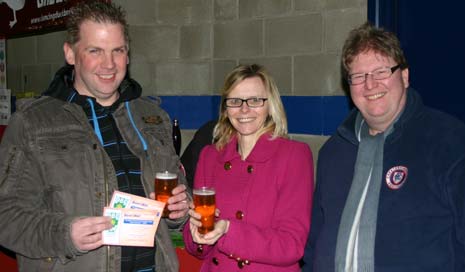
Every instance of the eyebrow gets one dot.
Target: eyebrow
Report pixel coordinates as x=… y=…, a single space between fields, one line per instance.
x=125 y=47
x=382 y=67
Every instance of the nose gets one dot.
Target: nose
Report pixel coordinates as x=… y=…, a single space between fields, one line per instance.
x=244 y=107
x=108 y=61
x=370 y=83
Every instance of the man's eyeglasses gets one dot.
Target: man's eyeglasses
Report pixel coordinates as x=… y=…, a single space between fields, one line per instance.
x=253 y=102
x=378 y=74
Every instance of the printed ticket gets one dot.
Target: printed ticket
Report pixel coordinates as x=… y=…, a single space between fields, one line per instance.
x=131 y=227
x=135 y=220
x=128 y=201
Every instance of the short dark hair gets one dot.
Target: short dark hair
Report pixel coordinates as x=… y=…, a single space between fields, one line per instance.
x=96 y=11
x=368 y=37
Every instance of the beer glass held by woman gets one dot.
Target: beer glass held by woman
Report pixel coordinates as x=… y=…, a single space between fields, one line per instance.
x=204 y=204
x=263 y=182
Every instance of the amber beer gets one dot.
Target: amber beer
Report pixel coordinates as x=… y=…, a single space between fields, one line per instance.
x=204 y=202
x=165 y=182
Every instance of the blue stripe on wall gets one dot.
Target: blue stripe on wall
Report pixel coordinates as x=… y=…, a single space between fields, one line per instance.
x=318 y=115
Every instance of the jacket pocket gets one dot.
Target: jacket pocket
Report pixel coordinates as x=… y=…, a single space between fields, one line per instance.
x=38 y=265
x=69 y=174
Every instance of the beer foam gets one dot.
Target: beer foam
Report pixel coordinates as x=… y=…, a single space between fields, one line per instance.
x=166 y=175
x=204 y=191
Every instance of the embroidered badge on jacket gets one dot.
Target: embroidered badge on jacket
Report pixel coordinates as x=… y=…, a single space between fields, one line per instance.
x=152 y=119
x=396 y=177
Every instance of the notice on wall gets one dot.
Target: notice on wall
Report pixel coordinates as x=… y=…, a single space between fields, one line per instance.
x=5 y=106
x=2 y=63
x=21 y=17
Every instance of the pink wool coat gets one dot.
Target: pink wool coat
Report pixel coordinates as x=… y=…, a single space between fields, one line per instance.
x=267 y=198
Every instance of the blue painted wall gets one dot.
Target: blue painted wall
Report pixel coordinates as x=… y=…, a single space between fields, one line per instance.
x=432 y=36
x=318 y=115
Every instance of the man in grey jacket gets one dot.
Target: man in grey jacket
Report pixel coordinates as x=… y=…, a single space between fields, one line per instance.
x=64 y=154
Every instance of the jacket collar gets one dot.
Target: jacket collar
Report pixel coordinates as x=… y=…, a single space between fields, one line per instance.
x=263 y=150
x=413 y=107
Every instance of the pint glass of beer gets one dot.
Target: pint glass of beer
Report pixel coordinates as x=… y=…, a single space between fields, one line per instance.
x=165 y=182
x=204 y=202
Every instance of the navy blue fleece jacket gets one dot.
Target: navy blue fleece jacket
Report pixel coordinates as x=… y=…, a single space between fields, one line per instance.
x=421 y=212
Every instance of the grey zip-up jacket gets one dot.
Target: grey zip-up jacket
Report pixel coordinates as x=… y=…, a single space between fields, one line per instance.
x=54 y=170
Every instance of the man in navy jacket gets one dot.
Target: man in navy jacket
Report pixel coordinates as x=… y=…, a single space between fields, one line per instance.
x=390 y=192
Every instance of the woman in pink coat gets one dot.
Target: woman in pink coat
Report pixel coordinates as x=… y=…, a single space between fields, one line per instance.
x=263 y=182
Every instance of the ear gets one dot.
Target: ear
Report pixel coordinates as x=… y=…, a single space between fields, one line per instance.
x=69 y=54
x=405 y=77
x=127 y=54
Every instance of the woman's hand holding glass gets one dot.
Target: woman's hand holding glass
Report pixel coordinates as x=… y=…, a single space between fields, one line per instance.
x=210 y=238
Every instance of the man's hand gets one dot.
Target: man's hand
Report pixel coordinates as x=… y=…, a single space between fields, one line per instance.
x=178 y=204
x=86 y=232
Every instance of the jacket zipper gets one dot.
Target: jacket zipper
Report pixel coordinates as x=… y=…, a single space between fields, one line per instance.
x=107 y=202
x=105 y=178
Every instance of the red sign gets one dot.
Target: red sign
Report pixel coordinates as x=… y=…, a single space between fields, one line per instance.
x=21 y=17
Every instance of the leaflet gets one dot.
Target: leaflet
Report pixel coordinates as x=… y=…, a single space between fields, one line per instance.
x=135 y=220
x=128 y=201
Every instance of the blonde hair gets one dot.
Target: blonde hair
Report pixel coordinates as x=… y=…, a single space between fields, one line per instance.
x=275 y=123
